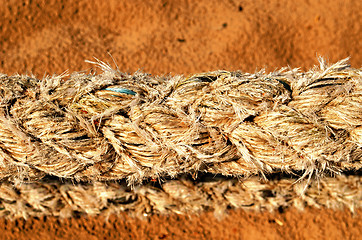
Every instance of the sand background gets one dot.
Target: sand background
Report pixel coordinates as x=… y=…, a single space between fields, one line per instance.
x=181 y=37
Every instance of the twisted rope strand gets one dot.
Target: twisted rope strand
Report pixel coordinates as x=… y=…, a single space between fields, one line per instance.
x=117 y=126
x=182 y=196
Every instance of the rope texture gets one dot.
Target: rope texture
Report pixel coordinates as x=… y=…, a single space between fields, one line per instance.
x=112 y=126
x=182 y=196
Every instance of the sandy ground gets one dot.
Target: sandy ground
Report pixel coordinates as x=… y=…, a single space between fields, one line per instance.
x=181 y=37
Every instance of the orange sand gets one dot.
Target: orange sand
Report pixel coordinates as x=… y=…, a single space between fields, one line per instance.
x=181 y=37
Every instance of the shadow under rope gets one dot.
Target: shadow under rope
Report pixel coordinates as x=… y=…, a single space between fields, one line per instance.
x=200 y=177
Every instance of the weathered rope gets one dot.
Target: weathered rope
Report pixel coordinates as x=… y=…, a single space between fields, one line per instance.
x=182 y=196
x=135 y=127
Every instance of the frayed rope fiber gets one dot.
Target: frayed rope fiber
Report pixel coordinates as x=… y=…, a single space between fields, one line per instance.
x=115 y=126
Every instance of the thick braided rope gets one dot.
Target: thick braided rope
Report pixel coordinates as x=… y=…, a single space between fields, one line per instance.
x=119 y=126
x=182 y=196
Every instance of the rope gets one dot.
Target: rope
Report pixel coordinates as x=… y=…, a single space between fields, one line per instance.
x=182 y=196
x=114 y=126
